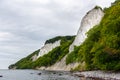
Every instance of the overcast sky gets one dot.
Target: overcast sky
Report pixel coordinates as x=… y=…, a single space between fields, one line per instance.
x=26 y=24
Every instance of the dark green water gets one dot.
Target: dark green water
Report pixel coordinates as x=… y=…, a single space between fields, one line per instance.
x=36 y=75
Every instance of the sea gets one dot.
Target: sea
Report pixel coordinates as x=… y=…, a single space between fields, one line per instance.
x=36 y=75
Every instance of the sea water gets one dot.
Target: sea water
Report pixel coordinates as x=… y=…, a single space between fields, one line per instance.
x=36 y=75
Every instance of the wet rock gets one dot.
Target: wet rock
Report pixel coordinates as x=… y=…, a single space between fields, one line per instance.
x=31 y=73
x=39 y=73
x=79 y=75
x=60 y=74
x=95 y=78
x=54 y=73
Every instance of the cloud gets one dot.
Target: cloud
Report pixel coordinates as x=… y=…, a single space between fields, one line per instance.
x=104 y=3
x=5 y=36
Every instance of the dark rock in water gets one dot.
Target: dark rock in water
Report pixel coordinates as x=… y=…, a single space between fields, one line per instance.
x=54 y=73
x=1 y=76
x=39 y=73
x=60 y=74
x=95 y=78
x=79 y=75
x=31 y=73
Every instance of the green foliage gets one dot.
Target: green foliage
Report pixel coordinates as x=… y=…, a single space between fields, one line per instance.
x=48 y=59
x=101 y=49
x=25 y=62
x=56 y=54
x=116 y=2
x=63 y=38
x=106 y=47
x=98 y=7
x=108 y=59
x=72 y=57
x=53 y=40
x=83 y=52
x=11 y=66
x=104 y=50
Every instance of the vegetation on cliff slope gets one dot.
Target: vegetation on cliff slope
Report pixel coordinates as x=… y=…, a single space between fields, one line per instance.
x=101 y=50
x=48 y=59
x=25 y=61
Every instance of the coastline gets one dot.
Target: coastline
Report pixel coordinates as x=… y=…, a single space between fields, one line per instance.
x=98 y=75
x=90 y=75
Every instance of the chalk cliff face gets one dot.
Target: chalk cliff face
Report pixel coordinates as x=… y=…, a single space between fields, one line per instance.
x=34 y=57
x=45 y=49
x=91 y=19
x=60 y=66
x=48 y=47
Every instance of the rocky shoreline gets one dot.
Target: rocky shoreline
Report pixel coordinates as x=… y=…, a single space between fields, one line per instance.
x=98 y=75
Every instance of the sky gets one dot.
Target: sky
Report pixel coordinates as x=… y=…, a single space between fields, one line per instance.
x=26 y=24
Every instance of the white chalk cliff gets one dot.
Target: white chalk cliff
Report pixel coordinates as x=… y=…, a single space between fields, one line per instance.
x=34 y=57
x=60 y=66
x=91 y=19
x=48 y=47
